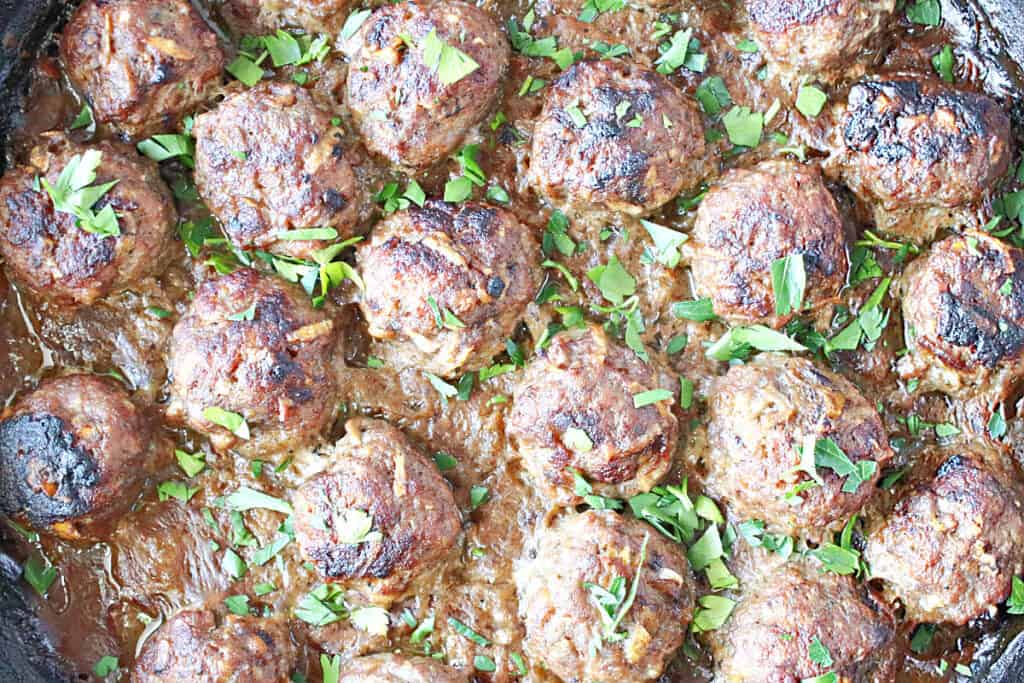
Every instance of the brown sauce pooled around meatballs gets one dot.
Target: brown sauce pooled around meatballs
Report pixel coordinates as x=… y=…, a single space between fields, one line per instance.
x=389 y=668
x=266 y=16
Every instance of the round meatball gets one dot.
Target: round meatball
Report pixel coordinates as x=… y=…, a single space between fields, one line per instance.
x=251 y=345
x=448 y=282
x=615 y=136
x=73 y=456
x=389 y=668
x=266 y=16
x=192 y=647
x=568 y=631
x=761 y=417
x=768 y=637
x=406 y=88
x=268 y=161
x=751 y=218
x=379 y=517
x=45 y=250
x=955 y=539
x=141 y=64
x=573 y=412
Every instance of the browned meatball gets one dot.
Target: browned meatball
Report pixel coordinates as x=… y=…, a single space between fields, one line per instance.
x=193 y=648
x=389 y=668
x=568 y=631
x=472 y=262
x=573 y=410
x=615 y=136
x=768 y=637
x=141 y=64
x=46 y=252
x=412 y=112
x=266 y=16
x=73 y=455
x=760 y=414
x=955 y=539
x=752 y=217
x=268 y=161
x=379 y=517
x=252 y=345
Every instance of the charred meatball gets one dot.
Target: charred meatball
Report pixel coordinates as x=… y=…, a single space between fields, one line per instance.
x=615 y=136
x=251 y=345
x=753 y=217
x=379 y=516
x=955 y=539
x=449 y=282
x=573 y=412
x=389 y=668
x=46 y=251
x=266 y=16
x=569 y=632
x=73 y=456
x=410 y=103
x=141 y=64
x=268 y=161
x=761 y=417
x=192 y=647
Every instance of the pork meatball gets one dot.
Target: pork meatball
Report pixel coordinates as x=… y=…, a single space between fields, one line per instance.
x=389 y=668
x=448 y=283
x=761 y=417
x=421 y=76
x=573 y=412
x=192 y=647
x=257 y=17
x=251 y=345
x=614 y=136
x=73 y=456
x=568 y=631
x=380 y=515
x=954 y=541
x=141 y=64
x=268 y=161
x=44 y=249
x=753 y=217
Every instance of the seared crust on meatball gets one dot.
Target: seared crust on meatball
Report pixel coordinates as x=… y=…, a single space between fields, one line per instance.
x=192 y=648
x=402 y=105
x=251 y=344
x=583 y=383
x=472 y=261
x=589 y=153
x=954 y=541
x=46 y=252
x=266 y=16
x=752 y=217
x=268 y=161
x=141 y=64
x=564 y=625
x=73 y=455
x=389 y=668
x=760 y=414
x=380 y=516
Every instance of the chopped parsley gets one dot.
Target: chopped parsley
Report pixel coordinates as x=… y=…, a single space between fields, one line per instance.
x=713 y=95
x=449 y=63
x=233 y=422
x=737 y=343
x=39 y=573
x=743 y=126
x=105 y=666
x=789 y=280
x=166 y=147
x=246 y=498
x=925 y=12
x=943 y=63
x=614 y=602
x=810 y=100
x=72 y=194
x=697 y=310
x=666 y=244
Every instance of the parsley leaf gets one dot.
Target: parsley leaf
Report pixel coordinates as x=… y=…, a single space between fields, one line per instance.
x=72 y=194
x=789 y=280
x=925 y=12
x=449 y=63
x=810 y=100
x=743 y=126
x=738 y=341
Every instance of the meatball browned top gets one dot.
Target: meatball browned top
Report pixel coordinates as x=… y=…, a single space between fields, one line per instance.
x=266 y=16
x=614 y=136
x=45 y=250
x=379 y=517
x=421 y=75
x=751 y=218
x=141 y=64
x=251 y=345
x=389 y=668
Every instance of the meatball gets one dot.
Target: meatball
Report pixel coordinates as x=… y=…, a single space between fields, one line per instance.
x=269 y=161
x=44 y=249
x=73 y=456
x=573 y=412
x=406 y=88
x=752 y=217
x=389 y=668
x=141 y=64
x=266 y=16
x=193 y=647
x=768 y=637
x=448 y=282
x=251 y=344
x=955 y=538
x=615 y=136
x=380 y=516
x=761 y=417
x=569 y=631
